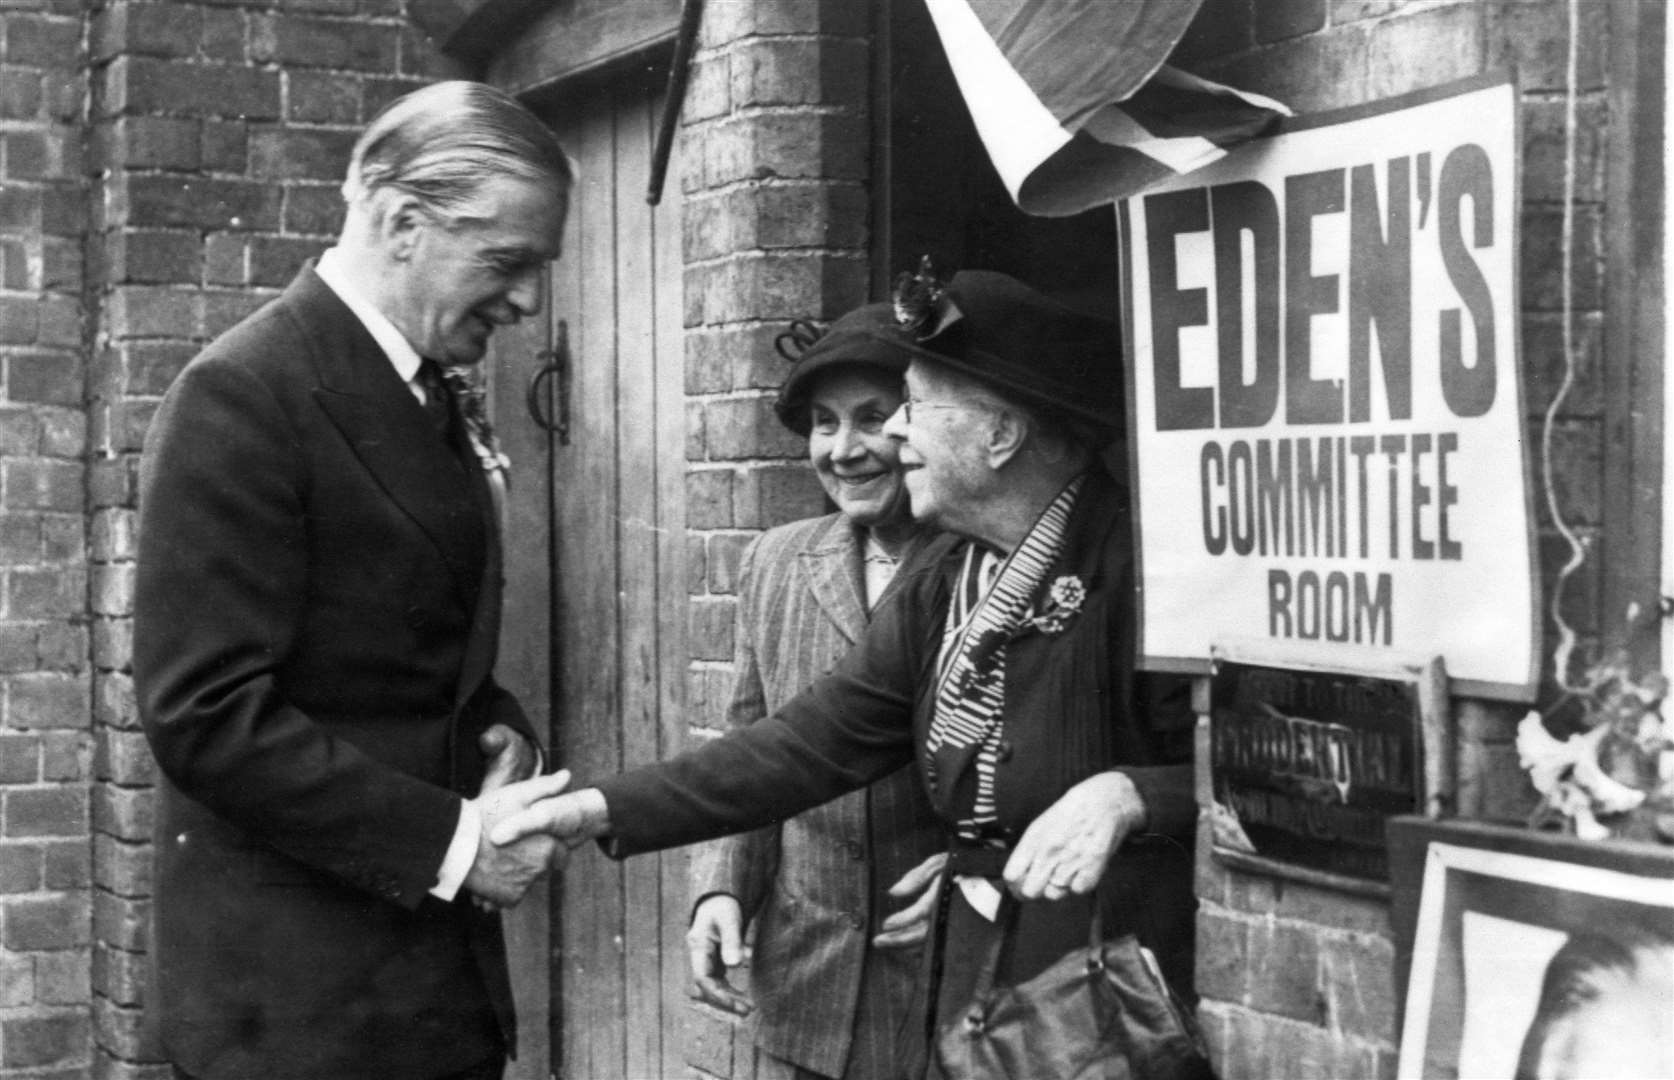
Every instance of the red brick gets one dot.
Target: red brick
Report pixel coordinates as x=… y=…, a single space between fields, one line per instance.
x=42 y=42
x=153 y=311
x=160 y=258
x=1533 y=39
x=124 y=757
x=124 y=1031
x=63 y=210
x=275 y=260
x=326 y=43
x=48 y=699
x=224 y=35
x=223 y=310
x=20 y=93
x=61 y=265
x=1219 y=28
x=799 y=71
x=125 y=813
x=748 y=428
x=63 y=978
x=14 y=265
x=20 y=534
x=1312 y=74
x=722 y=558
x=119 y=974
x=68 y=865
x=792 y=144
x=709 y=499
x=776 y=494
x=122 y=868
x=144 y=29
x=299 y=153
x=225 y=146
x=121 y=922
x=156 y=142
x=63 y=647
x=152 y=366
x=696 y=562
x=165 y=201
x=19 y=321
x=142 y=85
x=43 y=1040
x=694 y=430
x=20 y=207
x=729 y=22
x=377 y=93
x=17 y=981
x=43 y=379
x=63 y=537
x=26 y=155
x=59 y=320
x=114 y=703
x=54 y=923
x=315 y=97
x=709 y=629
x=43 y=485
x=1424 y=48
x=114 y=482
x=20 y=868
x=17 y=653
x=53 y=811
x=313 y=210
x=1544 y=148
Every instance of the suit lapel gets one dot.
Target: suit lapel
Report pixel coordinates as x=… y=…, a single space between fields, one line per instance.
x=390 y=433
x=832 y=561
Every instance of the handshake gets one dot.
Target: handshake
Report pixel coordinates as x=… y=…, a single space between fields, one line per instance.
x=526 y=827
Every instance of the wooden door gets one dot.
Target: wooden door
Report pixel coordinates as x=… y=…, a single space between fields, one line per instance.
x=596 y=599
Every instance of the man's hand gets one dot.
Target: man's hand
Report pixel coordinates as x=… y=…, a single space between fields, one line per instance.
x=502 y=873
x=571 y=819
x=715 y=945
x=511 y=757
x=911 y=924
x=1066 y=849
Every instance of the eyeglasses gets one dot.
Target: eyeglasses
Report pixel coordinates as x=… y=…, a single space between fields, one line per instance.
x=909 y=404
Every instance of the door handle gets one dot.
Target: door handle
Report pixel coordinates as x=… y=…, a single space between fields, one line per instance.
x=557 y=366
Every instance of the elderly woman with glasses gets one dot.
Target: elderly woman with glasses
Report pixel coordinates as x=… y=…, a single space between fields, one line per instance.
x=1003 y=665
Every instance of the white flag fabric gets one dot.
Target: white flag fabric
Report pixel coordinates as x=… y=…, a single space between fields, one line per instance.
x=1074 y=103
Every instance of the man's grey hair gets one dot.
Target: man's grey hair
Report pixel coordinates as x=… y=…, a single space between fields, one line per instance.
x=441 y=144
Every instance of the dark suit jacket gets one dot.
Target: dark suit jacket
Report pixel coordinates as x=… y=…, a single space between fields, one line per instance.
x=816 y=886
x=315 y=609
x=1073 y=707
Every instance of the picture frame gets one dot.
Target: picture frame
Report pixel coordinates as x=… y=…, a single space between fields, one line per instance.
x=1480 y=913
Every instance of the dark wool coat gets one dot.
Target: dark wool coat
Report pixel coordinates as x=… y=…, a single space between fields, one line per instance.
x=315 y=615
x=1073 y=707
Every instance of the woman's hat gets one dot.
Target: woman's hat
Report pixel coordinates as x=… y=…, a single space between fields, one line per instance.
x=1018 y=341
x=866 y=337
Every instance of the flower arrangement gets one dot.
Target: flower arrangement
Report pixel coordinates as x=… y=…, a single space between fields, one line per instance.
x=1065 y=598
x=1611 y=775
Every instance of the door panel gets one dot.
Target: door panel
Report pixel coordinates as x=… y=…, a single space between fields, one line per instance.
x=617 y=557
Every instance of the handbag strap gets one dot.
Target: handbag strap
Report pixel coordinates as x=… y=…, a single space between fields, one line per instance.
x=1006 y=922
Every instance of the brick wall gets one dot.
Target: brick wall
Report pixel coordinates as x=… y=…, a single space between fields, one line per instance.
x=777 y=137
x=219 y=132
x=45 y=741
x=1299 y=980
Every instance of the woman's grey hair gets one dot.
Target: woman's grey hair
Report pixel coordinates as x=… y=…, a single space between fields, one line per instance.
x=443 y=142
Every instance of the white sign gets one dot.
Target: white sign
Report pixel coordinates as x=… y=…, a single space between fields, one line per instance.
x=1328 y=441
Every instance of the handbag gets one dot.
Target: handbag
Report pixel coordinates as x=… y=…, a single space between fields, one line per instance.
x=1100 y=1012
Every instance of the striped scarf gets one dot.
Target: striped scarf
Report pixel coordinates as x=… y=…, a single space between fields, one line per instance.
x=991 y=604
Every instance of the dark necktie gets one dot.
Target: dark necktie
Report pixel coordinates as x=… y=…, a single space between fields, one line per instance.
x=436 y=395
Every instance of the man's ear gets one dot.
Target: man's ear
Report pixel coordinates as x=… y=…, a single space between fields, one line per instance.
x=398 y=219
x=1006 y=436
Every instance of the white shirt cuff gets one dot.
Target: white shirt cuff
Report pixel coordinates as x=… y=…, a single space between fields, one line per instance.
x=462 y=853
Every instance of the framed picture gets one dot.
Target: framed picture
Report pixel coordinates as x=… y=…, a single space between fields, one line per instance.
x=1531 y=954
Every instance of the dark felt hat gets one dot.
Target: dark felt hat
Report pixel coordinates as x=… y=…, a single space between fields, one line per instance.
x=867 y=337
x=1019 y=342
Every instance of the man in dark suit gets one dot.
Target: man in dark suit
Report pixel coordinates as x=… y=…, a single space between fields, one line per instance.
x=316 y=613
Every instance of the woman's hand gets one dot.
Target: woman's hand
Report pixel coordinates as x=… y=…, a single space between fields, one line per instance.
x=715 y=945
x=911 y=924
x=1065 y=850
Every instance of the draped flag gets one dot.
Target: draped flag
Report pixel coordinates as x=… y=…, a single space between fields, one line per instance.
x=1074 y=103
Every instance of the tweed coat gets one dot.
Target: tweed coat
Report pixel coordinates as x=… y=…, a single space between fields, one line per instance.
x=816 y=885
x=316 y=605
x=1073 y=706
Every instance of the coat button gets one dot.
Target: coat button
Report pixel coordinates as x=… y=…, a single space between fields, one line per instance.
x=1003 y=751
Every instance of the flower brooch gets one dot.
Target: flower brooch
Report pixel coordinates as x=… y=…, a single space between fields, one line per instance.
x=1064 y=602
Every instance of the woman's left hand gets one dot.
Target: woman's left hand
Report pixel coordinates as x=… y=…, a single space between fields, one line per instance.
x=1064 y=851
